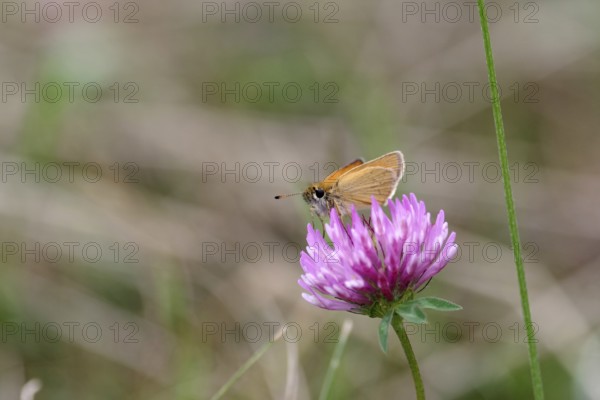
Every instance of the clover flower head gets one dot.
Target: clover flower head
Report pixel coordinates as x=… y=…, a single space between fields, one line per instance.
x=375 y=262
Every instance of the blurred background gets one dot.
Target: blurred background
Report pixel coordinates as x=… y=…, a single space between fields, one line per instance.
x=143 y=254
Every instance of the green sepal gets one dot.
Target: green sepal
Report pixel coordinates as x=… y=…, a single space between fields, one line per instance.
x=435 y=303
x=384 y=327
x=411 y=312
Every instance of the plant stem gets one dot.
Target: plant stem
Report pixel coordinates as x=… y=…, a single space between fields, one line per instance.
x=398 y=326
x=534 y=364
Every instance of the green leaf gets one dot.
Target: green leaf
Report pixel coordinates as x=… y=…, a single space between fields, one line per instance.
x=435 y=303
x=384 y=327
x=411 y=312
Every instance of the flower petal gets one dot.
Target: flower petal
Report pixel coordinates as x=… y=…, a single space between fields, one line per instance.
x=368 y=262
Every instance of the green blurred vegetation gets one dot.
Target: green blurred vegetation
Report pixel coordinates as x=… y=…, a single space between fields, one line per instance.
x=158 y=295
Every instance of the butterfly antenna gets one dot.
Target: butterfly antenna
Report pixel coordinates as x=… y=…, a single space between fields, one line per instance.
x=283 y=196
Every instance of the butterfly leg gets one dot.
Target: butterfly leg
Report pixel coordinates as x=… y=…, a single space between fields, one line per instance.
x=337 y=208
x=424 y=287
x=370 y=227
x=322 y=226
x=367 y=223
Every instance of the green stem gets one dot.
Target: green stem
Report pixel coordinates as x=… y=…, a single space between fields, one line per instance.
x=534 y=364
x=398 y=326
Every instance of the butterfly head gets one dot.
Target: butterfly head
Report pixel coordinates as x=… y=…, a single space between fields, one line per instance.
x=318 y=199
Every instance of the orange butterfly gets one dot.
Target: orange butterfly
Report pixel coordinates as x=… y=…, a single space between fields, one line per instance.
x=355 y=183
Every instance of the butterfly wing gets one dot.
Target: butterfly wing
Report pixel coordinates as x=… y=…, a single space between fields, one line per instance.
x=335 y=175
x=393 y=160
x=378 y=178
x=358 y=187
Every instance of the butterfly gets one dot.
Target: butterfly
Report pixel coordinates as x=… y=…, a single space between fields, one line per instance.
x=354 y=184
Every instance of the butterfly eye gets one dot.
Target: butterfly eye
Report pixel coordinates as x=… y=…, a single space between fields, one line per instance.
x=319 y=193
